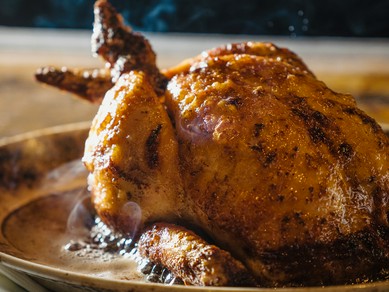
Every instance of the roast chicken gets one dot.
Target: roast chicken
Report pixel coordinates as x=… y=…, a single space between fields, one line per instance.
x=244 y=168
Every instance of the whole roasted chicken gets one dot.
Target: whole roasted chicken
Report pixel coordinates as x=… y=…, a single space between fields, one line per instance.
x=237 y=167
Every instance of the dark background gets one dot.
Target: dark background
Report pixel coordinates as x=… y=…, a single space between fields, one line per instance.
x=358 y=18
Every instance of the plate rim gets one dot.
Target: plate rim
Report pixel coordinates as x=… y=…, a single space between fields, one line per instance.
x=57 y=274
x=70 y=127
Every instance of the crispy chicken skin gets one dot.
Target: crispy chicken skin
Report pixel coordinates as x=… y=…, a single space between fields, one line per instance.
x=87 y=84
x=248 y=146
x=250 y=48
x=281 y=170
x=133 y=166
x=276 y=168
x=122 y=49
x=191 y=258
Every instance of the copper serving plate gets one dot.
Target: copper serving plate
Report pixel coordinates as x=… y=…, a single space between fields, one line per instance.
x=26 y=161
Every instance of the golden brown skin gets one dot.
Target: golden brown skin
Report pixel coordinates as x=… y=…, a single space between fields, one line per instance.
x=86 y=84
x=132 y=155
x=121 y=48
x=268 y=50
x=247 y=145
x=276 y=168
x=285 y=173
x=191 y=258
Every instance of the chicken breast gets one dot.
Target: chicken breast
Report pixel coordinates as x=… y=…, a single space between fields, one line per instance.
x=281 y=170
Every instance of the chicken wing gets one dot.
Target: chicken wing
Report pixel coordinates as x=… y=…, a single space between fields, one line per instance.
x=122 y=49
x=90 y=85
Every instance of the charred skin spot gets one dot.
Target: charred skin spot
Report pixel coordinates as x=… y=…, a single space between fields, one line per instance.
x=322 y=221
x=315 y=121
x=152 y=144
x=345 y=150
x=258 y=128
x=364 y=118
x=290 y=220
x=309 y=115
x=317 y=135
x=269 y=158
x=299 y=113
x=318 y=126
x=320 y=118
x=285 y=219
x=235 y=101
x=266 y=157
x=127 y=175
x=299 y=219
x=257 y=148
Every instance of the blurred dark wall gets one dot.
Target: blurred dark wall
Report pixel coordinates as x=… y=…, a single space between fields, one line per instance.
x=355 y=18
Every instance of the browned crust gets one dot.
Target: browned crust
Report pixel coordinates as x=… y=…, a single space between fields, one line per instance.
x=122 y=48
x=90 y=85
x=358 y=258
x=191 y=258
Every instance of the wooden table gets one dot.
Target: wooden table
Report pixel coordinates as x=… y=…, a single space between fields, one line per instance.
x=360 y=67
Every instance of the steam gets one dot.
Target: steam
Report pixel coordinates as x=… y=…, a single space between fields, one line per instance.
x=158 y=17
x=81 y=218
x=72 y=176
x=131 y=215
x=88 y=237
x=65 y=175
x=84 y=228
